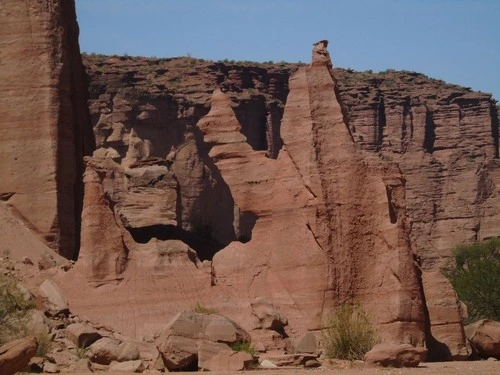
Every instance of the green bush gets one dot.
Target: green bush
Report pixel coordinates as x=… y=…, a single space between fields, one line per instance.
x=201 y=309
x=45 y=343
x=14 y=310
x=348 y=333
x=475 y=276
x=243 y=346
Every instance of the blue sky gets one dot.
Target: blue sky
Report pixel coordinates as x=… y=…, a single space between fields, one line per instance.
x=454 y=40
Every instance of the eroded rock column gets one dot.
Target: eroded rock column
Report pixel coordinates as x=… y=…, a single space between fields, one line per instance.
x=44 y=123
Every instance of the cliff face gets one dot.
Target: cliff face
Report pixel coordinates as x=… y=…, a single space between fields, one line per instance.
x=309 y=188
x=444 y=139
x=223 y=183
x=44 y=119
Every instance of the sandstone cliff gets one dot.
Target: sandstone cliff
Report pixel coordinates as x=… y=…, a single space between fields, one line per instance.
x=43 y=119
x=393 y=167
x=226 y=184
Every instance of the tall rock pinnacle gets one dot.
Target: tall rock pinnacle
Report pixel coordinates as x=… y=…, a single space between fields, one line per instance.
x=44 y=121
x=320 y=54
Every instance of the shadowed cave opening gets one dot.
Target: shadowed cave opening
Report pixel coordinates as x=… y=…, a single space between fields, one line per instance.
x=381 y=122
x=205 y=246
x=494 y=128
x=430 y=132
x=199 y=239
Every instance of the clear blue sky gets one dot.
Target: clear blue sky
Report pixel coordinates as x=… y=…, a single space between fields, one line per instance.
x=454 y=40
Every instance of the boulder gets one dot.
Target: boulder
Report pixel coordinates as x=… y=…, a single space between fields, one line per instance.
x=53 y=300
x=209 y=349
x=268 y=315
x=395 y=355
x=213 y=327
x=82 y=335
x=228 y=361
x=147 y=351
x=15 y=355
x=50 y=368
x=193 y=338
x=266 y=363
x=80 y=366
x=128 y=366
x=179 y=353
x=128 y=351
x=103 y=351
x=286 y=360
x=484 y=336
x=307 y=344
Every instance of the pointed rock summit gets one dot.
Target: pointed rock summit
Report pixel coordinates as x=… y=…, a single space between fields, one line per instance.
x=320 y=54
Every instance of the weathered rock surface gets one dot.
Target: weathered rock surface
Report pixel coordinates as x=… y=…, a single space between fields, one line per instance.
x=53 y=299
x=395 y=355
x=484 y=336
x=103 y=351
x=293 y=222
x=82 y=334
x=228 y=361
x=15 y=355
x=201 y=340
x=307 y=344
x=268 y=315
x=128 y=366
x=444 y=139
x=43 y=108
x=227 y=195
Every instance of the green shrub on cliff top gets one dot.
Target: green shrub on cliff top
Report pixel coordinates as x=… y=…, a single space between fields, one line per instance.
x=475 y=275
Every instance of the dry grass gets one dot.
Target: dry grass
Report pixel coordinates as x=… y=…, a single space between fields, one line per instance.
x=348 y=333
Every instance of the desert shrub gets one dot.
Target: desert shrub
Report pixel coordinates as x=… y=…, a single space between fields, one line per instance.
x=81 y=352
x=14 y=310
x=348 y=333
x=475 y=276
x=243 y=346
x=201 y=309
x=45 y=343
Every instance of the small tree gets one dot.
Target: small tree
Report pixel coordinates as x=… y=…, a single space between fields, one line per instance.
x=348 y=333
x=475 y=276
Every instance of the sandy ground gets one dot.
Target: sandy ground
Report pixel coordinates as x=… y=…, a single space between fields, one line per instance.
x=456 y=368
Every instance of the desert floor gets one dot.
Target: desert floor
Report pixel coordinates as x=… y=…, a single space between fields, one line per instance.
x=490 y=367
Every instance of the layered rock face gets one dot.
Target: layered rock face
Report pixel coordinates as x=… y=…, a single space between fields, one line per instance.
x=445 y=141
x=207 y=214
x=44 y=119
x=225 y=184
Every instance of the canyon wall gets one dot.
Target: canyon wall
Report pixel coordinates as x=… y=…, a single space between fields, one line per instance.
x=228 y=184
x=320 y=186
x=44 y=129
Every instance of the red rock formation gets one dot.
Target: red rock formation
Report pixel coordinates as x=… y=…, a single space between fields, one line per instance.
x=307 y=219
x=44 y=128
x=445 y=141
x=314 y=212
x=313 y=203
x=356 y=191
